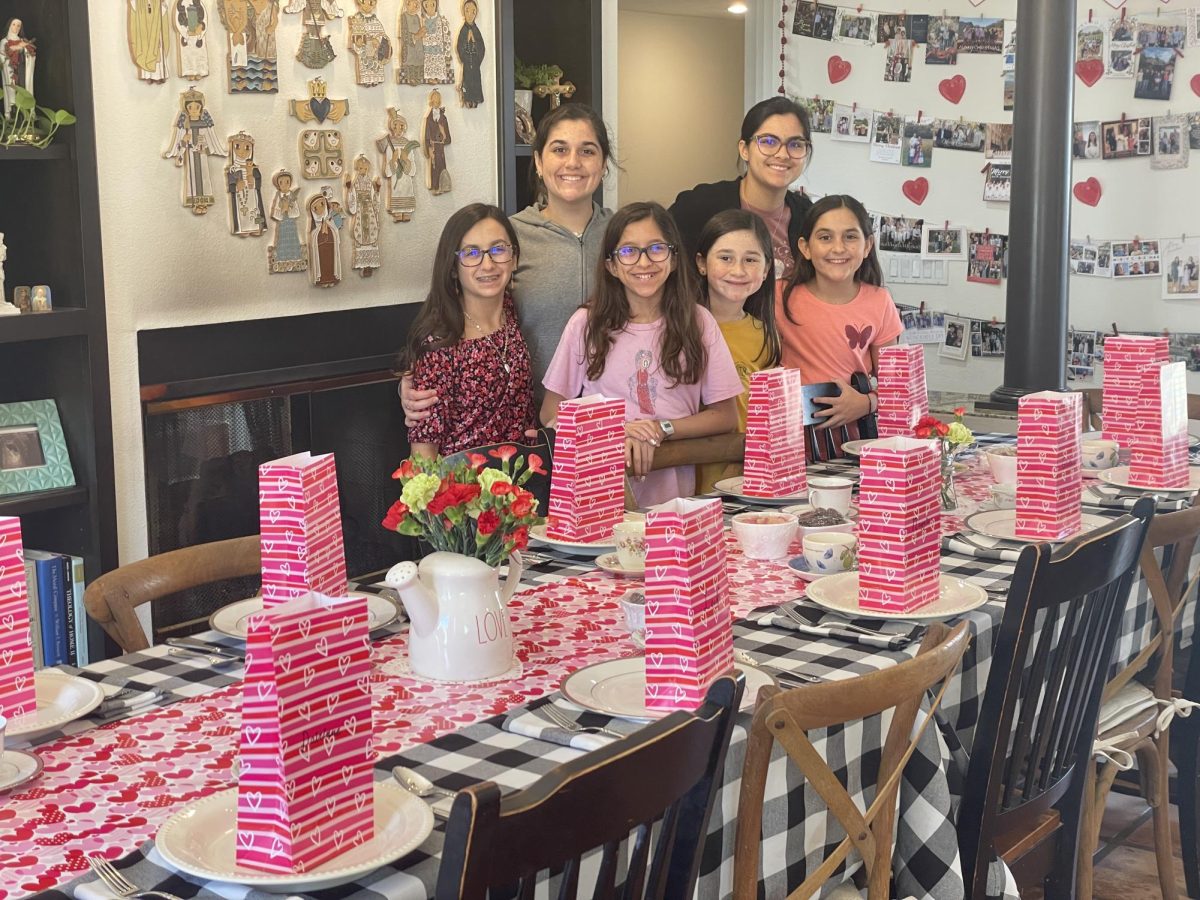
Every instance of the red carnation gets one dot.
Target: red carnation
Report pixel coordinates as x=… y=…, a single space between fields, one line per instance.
x=395 y=515
x=504 y=453
x=500 y=488
x=405 y=470
x=535 y=464
x=489 y=521
x=521 y=507
x=942 y=429
x=960 y=410
x=520 y=537
x=477 y=460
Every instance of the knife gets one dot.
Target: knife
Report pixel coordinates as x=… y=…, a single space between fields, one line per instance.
x=204 y=646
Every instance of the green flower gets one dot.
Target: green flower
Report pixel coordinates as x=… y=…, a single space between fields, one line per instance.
x=488 y=477
x=419 y=491
x=959 y=434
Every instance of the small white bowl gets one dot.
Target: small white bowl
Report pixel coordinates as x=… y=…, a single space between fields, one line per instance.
x=765 y=535
x=633 y=604
x=1004 y=496
x=1004 y=468
x=1100 y=454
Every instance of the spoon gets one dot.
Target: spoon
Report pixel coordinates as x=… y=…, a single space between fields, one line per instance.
x=419 y=784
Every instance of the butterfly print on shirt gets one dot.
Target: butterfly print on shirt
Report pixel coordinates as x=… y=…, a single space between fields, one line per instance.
x=859 y=339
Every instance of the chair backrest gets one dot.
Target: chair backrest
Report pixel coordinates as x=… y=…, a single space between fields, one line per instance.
x=667 y=773
x=1037 y=723
x=112 y=598
x=1093 y=408
x=820 y=443
x=786 y=716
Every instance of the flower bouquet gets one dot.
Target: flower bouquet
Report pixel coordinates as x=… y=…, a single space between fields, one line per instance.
x=464 y=507
x=952 y=439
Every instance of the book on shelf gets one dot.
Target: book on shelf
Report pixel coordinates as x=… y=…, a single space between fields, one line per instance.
x=58 y=622
x=35 y=618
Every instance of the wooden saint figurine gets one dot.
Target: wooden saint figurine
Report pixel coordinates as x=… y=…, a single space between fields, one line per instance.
x=192 y=142
x=17 y=58
x=362 y=203
x=190 y=19
x=435 y=136
x=148 y=27
x=321 y=153
x=286 y=254
x=324 y=240
x=316 y=50
x=398 y=153
x=319 y=107
x=369 y=44
x=470 y=54
x=243 y=181
x=435 y=45
x=411 y=68
x=253 y=56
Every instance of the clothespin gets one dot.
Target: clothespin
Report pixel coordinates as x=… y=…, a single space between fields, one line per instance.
x=1116 y=332
x=1122 y=13
x=920 y=114
x=922 y=308
x=1089 y=238
x=854 y=108
x=1089 y=16
x=995 y=321
x=946 y=225
x=1122 y=118
x=987 y=233
x=860 y=7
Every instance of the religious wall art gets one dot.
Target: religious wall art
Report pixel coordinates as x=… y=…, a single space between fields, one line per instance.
x=193 y=141
x=18 y=56
x=190 y=20
x=362 y=203
x=369 y=44
x=286 y=253
x=149 y=30
x=470 y=56
x=325 y=222
x=398 y=154
x=243 y=181
x=321 y=153
x=411 y=68
x=252 y=56
x=425 y=46
x=316 y=50
x=435 y=137
x=319 y=107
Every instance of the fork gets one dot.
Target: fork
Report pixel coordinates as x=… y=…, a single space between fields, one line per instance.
x=117 y=883
x=794 y=614
x=565 y=722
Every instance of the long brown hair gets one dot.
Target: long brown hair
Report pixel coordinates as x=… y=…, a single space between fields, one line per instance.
x=870 y=272
x=682 y=354
x=440 y=321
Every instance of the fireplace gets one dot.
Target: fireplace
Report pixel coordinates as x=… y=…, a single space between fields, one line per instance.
x=219 y=400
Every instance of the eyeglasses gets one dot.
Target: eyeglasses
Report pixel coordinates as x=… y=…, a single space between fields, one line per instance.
x=629 y=255
x=471 y=257
x=769 y=144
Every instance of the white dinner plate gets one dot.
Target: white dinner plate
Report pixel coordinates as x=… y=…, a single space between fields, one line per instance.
x=802 y=570
x=855 y=448
x=732 y=487
x=617 y=687
x=234 y=620
x=61 y=698
x=611 y=562
x=840 y=593
x=578 y=548
x=1002 y=525
x=199 y=840
x=18 y=768
x=1118 y=476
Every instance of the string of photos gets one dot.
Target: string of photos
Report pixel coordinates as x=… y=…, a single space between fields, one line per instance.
x=313 y=227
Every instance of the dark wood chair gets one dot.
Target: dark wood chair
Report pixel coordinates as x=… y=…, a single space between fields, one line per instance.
x=667 y=774
x=1093 y=408
x=1023 y=795
x=824 y=443
x=112 y=598
x=787 y=716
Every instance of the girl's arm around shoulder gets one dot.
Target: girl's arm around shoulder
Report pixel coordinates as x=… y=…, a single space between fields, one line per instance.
x=565 y=374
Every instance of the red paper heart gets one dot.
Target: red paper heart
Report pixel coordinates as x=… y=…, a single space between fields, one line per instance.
x=1088 y=192
x=916 y=190
x=953 y=88
x=1089 y=70
x=839 y=69
x=1196 y=85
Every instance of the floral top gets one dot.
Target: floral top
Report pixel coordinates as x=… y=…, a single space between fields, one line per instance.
x=484 y=387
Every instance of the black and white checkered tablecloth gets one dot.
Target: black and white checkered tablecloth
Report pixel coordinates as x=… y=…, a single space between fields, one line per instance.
x=797 y=833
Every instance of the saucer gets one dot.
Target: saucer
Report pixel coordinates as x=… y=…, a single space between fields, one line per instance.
x=801 y=569
x=18 y=768
x=234 y=620
x=577 y=548
x=61 y=698
x=732 y=487
x=611 y=562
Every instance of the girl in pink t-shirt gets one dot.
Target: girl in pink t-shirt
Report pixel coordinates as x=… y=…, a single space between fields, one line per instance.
x=642 y=337
x=834 y=313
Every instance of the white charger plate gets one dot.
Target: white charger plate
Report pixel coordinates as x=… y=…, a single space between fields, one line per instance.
x=199 y=840
x=234 y=620
x=578 y=548
x=840 y=593
x=802 y=570
x=732 y=487
x=611 y=562
x=61 y=698
x=1118 y=476
x=18 y=768
x=617 y=687
x=855 y=448
x=1002 y=525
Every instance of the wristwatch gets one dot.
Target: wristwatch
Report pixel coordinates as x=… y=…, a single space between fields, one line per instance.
x=667 y=426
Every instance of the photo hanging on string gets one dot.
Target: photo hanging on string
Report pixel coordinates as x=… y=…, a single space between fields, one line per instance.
x=886 y=133
x=917 y=142
x=1171 y=145
x=1180 y=278
x=900 y=234
x=1135 y=259
x=1081 y=354
x=1193 y=26
x=802 y=21
x=1155 y=73
x=1010 y=91
x=943 y=242
x=993 y=336
x=922 y=327
x=1010 y=45
x=999 y=140
x=997 y=183
x=980 y=35
x=854 y=26
x=1162 y=31
x=823 y=22
x=898 y=58
x=1089 y=41
x=987 y=259
x=1085 y=143
x=1121 y=45
x=1194 y=130
x=851 y=123
x=1126 y=138
x=941 y=48
x=820 y=113
x=1091 y=259
x=956 y=343
x=957 y=134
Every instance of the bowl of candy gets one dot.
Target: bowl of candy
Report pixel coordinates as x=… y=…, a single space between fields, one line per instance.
x=813 y=520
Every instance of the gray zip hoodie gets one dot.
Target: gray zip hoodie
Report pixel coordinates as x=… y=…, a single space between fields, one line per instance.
x=555 y=275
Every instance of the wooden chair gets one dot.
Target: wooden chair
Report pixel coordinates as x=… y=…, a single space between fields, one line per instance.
x=1137 y=732
x=786 y=716
x=1093 y=408
x=666 y=774
x=1023 y=795
x=112 y=598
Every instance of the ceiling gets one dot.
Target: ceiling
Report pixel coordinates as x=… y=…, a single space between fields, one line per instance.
x=708 y=8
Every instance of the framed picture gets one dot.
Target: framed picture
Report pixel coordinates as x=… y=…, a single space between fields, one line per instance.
x=33 y=450
x=956 y=343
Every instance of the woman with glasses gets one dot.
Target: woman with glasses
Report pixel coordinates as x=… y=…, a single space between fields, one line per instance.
x=775 y=147
x=465 y=343
x=643 y=337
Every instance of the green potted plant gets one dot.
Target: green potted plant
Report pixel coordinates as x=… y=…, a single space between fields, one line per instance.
x=31 y=125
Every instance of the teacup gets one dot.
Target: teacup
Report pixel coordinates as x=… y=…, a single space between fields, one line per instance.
x=830 y=493
x=633 y=604
x=630 y=538
x=1004 y=496
x=1100 y=454
x=1003 y=463
x=764 y=535
x=830 y=551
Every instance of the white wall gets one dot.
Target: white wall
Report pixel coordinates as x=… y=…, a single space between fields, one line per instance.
x=1136 y=201
x=165 y=267
x=679 y=77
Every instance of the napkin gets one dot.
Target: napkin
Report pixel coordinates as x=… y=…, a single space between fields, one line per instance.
x=990 y=548
x=892 y=635
x=120 y=701
x=528 y=723
x=1119 y=499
